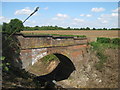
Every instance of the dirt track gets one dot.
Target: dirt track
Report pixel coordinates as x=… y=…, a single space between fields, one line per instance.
x=91 y=34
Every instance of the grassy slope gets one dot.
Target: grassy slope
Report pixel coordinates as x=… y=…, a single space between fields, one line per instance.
x=100 y=48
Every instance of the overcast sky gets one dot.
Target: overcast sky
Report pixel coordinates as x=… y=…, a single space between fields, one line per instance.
x=65 y=14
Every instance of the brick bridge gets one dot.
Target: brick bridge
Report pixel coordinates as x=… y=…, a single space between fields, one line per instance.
x=72 y=51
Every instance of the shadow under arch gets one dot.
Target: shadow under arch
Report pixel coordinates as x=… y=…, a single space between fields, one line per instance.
x=61 y=72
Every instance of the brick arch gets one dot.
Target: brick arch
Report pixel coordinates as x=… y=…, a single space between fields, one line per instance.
x=38 y=54
x=62 y=71
x=59 y=51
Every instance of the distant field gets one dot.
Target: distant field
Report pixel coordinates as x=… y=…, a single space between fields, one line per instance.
x=90 y=33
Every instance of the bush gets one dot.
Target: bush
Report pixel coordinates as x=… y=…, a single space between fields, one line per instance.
x=103 y=40
x=15 y=25
x=116 y=41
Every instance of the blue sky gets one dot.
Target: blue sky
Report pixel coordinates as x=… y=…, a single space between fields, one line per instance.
x=65 y=14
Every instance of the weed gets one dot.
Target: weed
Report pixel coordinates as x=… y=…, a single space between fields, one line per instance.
x=49 y=58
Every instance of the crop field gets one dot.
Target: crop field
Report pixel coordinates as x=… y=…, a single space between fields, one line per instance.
x=91 y=34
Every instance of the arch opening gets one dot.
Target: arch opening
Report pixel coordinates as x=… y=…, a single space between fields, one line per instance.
x=62 y=71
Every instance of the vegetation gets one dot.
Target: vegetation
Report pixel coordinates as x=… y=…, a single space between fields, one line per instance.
x=15 y=25
x=99 y=49
x=0 y=28
x=54 y=34
x=100 y=46
x=115 y=41
x=49 y=58
x=5 y=66
x=10 y=42
x=13 y=76
x=103 y=40
x=61 y=28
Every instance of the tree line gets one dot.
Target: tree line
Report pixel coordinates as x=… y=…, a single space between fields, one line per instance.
x=68 y=28
x=17 y=25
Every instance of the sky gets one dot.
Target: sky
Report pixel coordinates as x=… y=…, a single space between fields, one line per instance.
x=63 y=14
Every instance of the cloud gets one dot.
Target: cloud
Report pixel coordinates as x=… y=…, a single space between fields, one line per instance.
x=46 y=8
x=4 y=19
x=30 y=23
x=116 y=10
x=104 y=21
x=99 y=18
x=25 y=11
x=108 y=18
x=114 y=14
x=88 y=15
x=78 y=20
x=60 y=16
x=82 y=15
x=98 y=9
x=85 y=15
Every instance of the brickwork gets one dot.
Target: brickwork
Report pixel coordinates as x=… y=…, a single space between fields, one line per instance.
x=34 y=48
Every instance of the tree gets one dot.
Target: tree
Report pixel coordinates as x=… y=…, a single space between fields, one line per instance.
x=104 y=28
x=68 y=28
x=15 y=25
x=0 y=27
x=94 y=29
x=36 y=28
x=87 y=28
x=10 y=45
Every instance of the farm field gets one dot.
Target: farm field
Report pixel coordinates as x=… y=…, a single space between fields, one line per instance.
x=92 y=35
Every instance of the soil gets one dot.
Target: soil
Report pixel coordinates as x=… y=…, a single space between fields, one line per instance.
x=42 y=67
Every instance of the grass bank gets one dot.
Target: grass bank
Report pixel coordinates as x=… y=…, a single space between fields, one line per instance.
x=99 y=48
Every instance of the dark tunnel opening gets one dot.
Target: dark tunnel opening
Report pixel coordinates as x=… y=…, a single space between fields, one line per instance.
x=61 y=72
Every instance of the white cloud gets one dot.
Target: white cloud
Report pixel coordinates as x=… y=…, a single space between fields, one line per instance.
x=114 y=14
x=104 y=21
x=82 y=14
x=60 y=16
x=99 y=18
x=98 y=9
x=108 y=18
x=30 y=23
x=25 y=11
x=4 y=19
x=78 y=20
x=85 y=15
x=88 y=15
x=46 y=8
x=116 y=10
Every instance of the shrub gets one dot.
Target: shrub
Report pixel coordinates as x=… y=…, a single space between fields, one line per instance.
x=103 y=40
x=15 y=25
x=116 y=41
